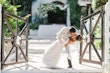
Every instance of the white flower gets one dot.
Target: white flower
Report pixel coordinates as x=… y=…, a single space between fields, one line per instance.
x=44 y=8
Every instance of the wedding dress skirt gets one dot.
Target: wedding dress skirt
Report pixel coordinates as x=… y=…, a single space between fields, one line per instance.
x=52 y=54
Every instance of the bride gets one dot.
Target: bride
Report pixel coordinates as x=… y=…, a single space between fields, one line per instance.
x=52 y=54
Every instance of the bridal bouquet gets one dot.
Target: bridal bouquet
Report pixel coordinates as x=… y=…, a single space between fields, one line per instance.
x=44 y=8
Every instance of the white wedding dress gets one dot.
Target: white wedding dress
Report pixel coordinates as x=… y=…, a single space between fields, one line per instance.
x=52 y=54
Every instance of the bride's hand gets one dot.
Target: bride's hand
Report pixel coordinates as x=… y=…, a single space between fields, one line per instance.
x=70 y=42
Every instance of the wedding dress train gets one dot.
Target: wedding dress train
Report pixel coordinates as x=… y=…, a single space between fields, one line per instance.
x=52 y=54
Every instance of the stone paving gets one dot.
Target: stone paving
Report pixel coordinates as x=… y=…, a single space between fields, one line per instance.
x=36 y=50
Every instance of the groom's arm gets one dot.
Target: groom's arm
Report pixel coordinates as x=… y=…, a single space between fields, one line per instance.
x=61 y=36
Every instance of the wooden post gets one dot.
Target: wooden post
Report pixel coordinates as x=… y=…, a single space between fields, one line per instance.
x=0 y=32
x=81 y=43
x=1 y=37
x=17 y=34
x=90 y=27
x=27 y=29
x=103 y=42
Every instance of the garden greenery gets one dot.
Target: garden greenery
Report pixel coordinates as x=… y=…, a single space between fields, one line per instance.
x=98 y=3
x=45 y=8
x=12 y=9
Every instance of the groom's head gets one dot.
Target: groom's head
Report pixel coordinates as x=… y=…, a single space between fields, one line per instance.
x=72 y=31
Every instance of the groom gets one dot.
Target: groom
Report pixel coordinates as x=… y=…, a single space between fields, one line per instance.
x=53 y=52
x=64 y=36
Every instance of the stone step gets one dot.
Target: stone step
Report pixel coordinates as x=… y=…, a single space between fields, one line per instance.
x=42 y=37
x=41 y=51
x=37 y=51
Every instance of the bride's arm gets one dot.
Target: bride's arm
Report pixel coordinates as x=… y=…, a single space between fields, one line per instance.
x=70 y=41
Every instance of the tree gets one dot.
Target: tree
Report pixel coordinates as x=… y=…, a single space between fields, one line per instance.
x=75 y=11
x=13 y=10
x=25 y=6
x=9 y=7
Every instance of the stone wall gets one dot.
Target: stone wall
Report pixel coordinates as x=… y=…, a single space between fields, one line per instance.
x=107 y=30
x=49 y=30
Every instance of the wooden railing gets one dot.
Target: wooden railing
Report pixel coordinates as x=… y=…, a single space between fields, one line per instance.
x=91 y=37
x=15 y=40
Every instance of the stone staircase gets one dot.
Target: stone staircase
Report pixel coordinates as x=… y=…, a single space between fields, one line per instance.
x=46 y=34
x=39 y=45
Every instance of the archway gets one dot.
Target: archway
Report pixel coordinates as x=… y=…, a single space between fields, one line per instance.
x=59 y=15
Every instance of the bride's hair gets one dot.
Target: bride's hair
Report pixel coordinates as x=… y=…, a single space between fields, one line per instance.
x=79 y=38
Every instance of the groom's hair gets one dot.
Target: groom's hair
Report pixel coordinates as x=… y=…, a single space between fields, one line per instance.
x=72 y=29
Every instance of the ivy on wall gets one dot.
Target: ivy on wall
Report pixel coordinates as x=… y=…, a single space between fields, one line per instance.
x=98 y=3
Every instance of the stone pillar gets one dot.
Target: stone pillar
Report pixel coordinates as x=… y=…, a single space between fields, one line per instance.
x=107 y=30
x=106 y=63
x=68 y=22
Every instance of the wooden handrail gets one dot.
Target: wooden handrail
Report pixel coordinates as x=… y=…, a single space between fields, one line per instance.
x=85 y=18
x=93 y=14
x=15 y=16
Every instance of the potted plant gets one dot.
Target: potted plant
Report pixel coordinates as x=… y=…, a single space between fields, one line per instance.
x=33 y=28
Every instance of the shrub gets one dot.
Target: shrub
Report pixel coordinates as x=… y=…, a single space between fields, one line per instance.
x=34 y=26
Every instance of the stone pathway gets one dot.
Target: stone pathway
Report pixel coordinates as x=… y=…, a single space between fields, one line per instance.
x=36 y=50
